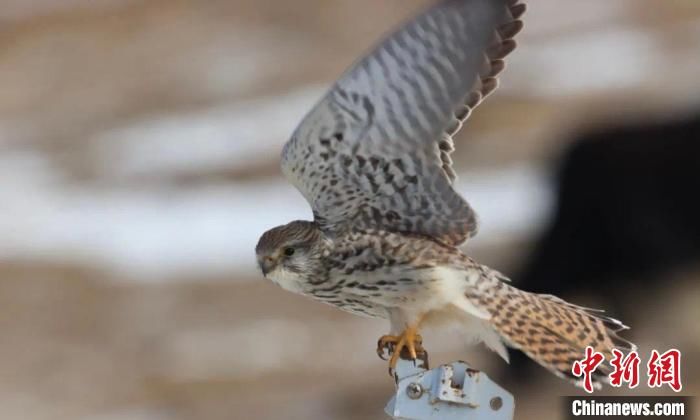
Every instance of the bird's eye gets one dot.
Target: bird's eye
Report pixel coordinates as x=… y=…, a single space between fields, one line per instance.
x=289 y=251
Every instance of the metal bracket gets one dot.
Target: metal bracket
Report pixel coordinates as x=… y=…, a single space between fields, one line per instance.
x=450 y=391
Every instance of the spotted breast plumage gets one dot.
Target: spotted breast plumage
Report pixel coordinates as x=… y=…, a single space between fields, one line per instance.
x=373 y=160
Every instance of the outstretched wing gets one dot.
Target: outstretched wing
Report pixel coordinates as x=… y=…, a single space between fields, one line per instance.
x=375 y=151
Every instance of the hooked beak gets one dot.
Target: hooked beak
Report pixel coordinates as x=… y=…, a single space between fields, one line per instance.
x=267 y=264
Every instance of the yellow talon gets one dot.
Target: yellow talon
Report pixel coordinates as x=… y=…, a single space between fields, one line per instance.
x=409 y=342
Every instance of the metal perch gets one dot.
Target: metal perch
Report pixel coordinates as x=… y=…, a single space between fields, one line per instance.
x=450 y=391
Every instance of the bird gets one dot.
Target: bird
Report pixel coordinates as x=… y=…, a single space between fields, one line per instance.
x=373 y=160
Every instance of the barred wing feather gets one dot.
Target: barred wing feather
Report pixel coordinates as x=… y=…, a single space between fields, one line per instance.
x=375 y=151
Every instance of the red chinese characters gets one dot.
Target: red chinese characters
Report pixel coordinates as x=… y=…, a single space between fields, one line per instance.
x=625 y=369
x=665 y=369
x=587 y=366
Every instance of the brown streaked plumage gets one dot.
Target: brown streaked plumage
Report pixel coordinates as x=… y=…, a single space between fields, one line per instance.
x=373 y=160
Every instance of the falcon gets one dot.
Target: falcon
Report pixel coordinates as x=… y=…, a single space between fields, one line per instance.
x=372 y=158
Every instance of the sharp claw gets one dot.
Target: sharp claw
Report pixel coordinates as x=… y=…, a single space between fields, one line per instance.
x=408 y=345
x=385 y=346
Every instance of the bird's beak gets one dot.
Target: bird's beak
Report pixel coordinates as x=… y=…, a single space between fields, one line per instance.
x=267 y=264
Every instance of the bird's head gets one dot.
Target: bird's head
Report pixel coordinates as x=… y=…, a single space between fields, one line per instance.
x=291 y=255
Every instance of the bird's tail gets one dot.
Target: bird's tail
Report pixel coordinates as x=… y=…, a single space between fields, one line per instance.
x=551 y=331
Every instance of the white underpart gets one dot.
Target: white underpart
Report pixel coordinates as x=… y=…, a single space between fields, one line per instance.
x=453 y=285
x=446 y=305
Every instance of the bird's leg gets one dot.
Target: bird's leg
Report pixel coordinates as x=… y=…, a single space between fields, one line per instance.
x=408 y=344
x=391 y=342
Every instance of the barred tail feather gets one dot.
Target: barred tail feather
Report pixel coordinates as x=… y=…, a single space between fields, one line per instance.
x=551 y=331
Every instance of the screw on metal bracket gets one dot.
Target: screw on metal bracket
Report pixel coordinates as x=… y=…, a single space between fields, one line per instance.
x=496 y=403
x=414 y=391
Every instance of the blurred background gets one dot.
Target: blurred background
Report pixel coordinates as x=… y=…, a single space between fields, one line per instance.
x=139 y=146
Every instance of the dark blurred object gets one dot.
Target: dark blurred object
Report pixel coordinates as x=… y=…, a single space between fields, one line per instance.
x=628 y=203
x=628 y=209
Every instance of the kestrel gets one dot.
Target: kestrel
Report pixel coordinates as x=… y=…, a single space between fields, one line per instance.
x=373 y=160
